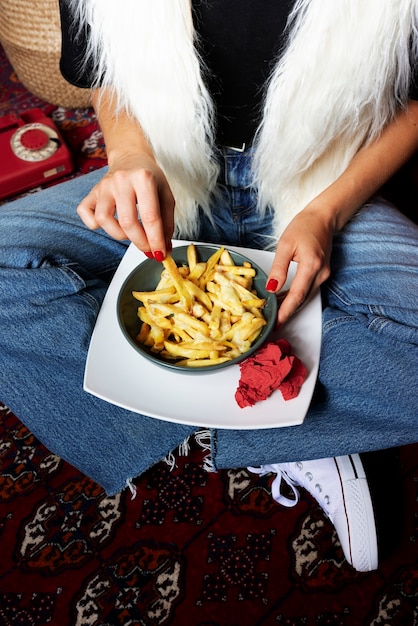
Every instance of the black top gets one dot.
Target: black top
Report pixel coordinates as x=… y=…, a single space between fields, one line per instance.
x=73 y=50
x=239 y=41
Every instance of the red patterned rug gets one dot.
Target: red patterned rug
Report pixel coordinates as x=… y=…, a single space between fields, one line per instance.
x=193 y=548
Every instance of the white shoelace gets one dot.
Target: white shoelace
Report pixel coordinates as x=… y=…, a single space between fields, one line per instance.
x=276 y=486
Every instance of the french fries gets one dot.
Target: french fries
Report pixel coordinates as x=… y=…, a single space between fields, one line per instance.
x=203 y=313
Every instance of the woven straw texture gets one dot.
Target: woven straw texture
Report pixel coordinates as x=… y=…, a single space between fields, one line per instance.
x=31 y=37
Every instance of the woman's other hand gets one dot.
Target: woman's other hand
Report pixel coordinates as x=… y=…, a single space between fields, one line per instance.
x=308 y=238
x=308 y=241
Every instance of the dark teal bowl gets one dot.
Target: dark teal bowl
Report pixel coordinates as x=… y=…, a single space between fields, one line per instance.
x=146 y=276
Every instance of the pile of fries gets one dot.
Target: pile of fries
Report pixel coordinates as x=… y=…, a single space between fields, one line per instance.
x=203 y=313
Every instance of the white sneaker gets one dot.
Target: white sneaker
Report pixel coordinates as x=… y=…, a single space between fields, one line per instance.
x=340 y=487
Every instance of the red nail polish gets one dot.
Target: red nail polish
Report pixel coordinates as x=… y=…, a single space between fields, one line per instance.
x=149 y=255
x=158 y=256
x=272 y=284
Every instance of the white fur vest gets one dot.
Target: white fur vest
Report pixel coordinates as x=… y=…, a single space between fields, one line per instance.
x=344 y=73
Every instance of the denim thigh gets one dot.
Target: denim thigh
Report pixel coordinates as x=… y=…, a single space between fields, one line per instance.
x=365 y=398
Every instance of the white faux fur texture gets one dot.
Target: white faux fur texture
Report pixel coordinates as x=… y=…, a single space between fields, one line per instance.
x=344 y=73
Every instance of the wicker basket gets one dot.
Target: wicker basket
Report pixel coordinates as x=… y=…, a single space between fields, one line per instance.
x=30 y=34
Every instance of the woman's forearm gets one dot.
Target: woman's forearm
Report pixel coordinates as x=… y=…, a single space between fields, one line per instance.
x=372 y=167
x=122 y=134
x=308 y=238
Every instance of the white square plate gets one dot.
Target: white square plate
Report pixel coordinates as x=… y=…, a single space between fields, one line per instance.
x=119 y=374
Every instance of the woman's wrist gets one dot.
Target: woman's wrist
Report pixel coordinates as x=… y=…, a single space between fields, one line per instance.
x=336 y=205
x=325 y=211
x=125 y=157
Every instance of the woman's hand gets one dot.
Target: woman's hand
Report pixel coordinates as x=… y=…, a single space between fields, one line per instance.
x=133 y=201
x=308 y=241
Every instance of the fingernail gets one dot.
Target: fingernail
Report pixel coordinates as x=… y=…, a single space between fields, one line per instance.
x=149 y=255
x=158 y=256
x=272 y=284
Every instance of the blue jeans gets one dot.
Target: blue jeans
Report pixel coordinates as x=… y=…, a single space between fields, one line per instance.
x=54 y=274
